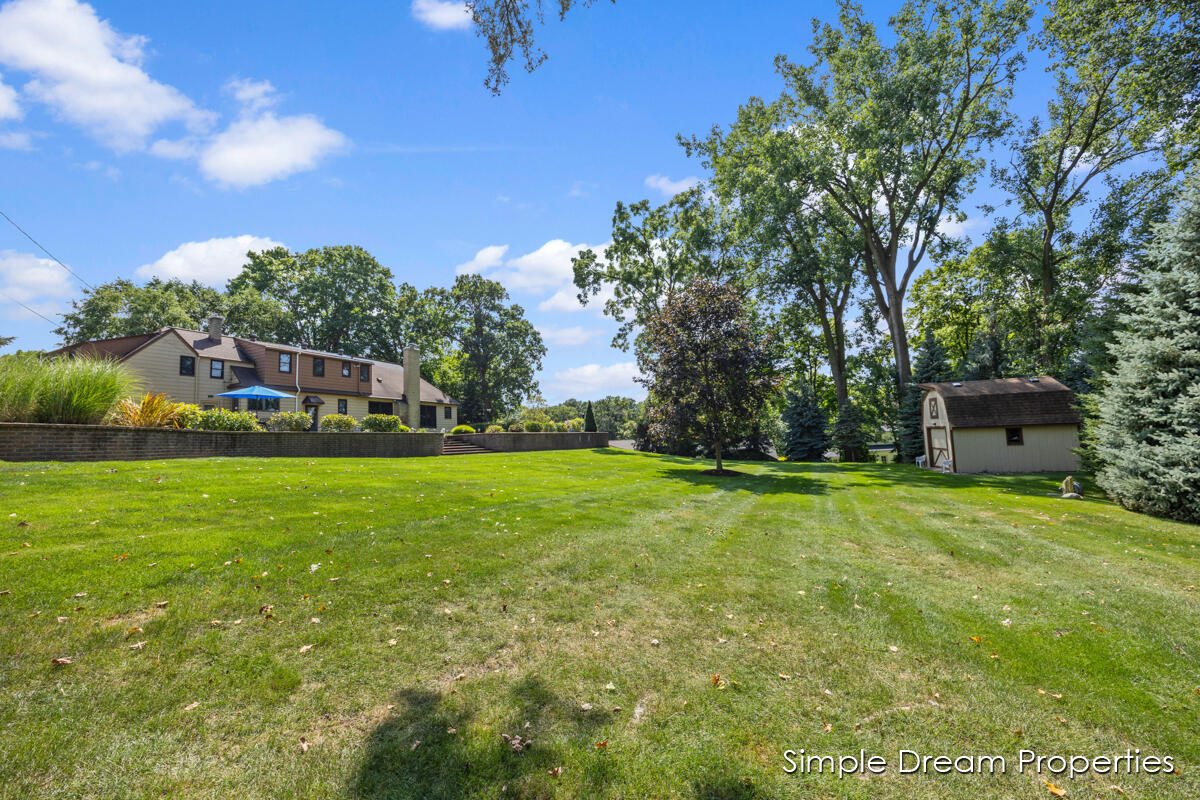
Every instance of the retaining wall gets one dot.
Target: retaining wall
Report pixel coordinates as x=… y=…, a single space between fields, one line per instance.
x=513 y=442
x=36 y=442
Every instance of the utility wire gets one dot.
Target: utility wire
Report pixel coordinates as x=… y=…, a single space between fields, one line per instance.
x=47 y=252
x=27 y=308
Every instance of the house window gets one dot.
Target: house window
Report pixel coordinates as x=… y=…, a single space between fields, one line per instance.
x=447 y=412
x=933 y=408
x=285 y=362
x=428 y=416
x=1014 y=436
x=341 y=406
x=187 y=365
x=318 y=368
x=379 y=407
x=233 y=404
x=262 y=404
x=364 y=372
x=216 y=369
x=345 y=369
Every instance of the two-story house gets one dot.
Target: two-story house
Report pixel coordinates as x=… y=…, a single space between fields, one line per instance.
x=197 y=366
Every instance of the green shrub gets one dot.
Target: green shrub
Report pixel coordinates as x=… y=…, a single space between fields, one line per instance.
x=462 y=429
x=338 y=423
x=495 y=429
x=574 y=425
x=222 y=419
x=189 y=416
x=516 y=427
x=533 y=426
x=383 y=423
x=289 y=422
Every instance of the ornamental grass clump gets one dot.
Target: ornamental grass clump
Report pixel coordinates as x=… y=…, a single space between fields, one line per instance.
x=67 y=391
x=151 y=411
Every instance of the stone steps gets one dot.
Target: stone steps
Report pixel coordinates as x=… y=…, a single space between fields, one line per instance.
x=454 y=446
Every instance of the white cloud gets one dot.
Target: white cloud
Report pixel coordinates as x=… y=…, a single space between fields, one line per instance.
x=488 y=258
x=213 y=262
x=258 y=150
x=567 y=337
x=442 y=16
x=253 y=95
x=668 y=187
x=89 y=73
x=953 y=229
x=593 y=380
x=16 y=141
x=39 y=283
x=9 y=107
x=566 y=299
x=107 y=170
x=545 y=268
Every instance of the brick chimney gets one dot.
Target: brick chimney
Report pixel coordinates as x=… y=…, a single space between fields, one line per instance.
x=214 y=327
x=412 y=385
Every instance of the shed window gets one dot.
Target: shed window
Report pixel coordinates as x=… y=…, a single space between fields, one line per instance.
x=187 y=365
x=318 y=368
x=216 y=369
x=345 y=369
x=285 y=362
x=933 y=408
x=1014 y=436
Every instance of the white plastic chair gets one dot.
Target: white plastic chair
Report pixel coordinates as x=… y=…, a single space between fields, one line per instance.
x=921 y=460
x=945 y=465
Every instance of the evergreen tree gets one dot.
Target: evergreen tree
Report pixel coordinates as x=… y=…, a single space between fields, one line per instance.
x=589 y=419
x=1148 y=434
x=807 y=425
x=931 y=366
x=849 y=437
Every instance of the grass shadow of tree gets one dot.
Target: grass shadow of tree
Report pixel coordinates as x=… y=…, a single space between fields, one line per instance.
x=429 y=751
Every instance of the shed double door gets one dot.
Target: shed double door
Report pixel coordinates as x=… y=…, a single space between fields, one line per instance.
x=937 y=444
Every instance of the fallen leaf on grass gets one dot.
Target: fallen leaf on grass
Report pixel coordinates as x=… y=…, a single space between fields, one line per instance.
x=133 y=630
x=305 y=648
x=60 y=662
x=602 y=745
x=137 y=645
x=1054 y=790
x=555 y=772
x=161 y=604
x=191 y=706
x=303 y=745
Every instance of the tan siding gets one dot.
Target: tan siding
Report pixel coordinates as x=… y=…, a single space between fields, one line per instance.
x=933 y=415
x=1047 y=448
x=157 y=367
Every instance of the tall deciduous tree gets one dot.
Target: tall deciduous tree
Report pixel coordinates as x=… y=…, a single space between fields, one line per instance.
x=708 y=367
x=123 y=308
x=338 y=299
x=803 y=250
x=892 y=133
x=498 y=350
x=1148 y=434
x=655 y=250
x=930 y=366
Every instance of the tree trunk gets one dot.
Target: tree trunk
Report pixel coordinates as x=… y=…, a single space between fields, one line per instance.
x=899 y=340
x=718 y=448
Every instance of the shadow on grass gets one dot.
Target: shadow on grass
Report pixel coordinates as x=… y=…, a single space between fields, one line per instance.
x=429 y=751
x=728 y=788
x=783 y=477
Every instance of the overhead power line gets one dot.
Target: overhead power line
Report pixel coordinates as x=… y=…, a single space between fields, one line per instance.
x=27 y=308
x=47 y=252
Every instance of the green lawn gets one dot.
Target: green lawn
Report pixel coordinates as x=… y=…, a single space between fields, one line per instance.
x=370 y=629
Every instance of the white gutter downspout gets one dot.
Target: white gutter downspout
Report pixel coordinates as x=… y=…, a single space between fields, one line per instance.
x=296 y=372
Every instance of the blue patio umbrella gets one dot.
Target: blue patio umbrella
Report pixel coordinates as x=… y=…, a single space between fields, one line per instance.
x=255 y=391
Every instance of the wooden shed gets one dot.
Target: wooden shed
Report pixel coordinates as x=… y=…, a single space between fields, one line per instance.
x=1001 y=425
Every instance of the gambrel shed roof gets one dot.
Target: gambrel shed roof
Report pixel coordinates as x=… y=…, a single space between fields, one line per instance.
x=1007 y=402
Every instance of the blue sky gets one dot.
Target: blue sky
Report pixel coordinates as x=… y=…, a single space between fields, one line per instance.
x=139 y=139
